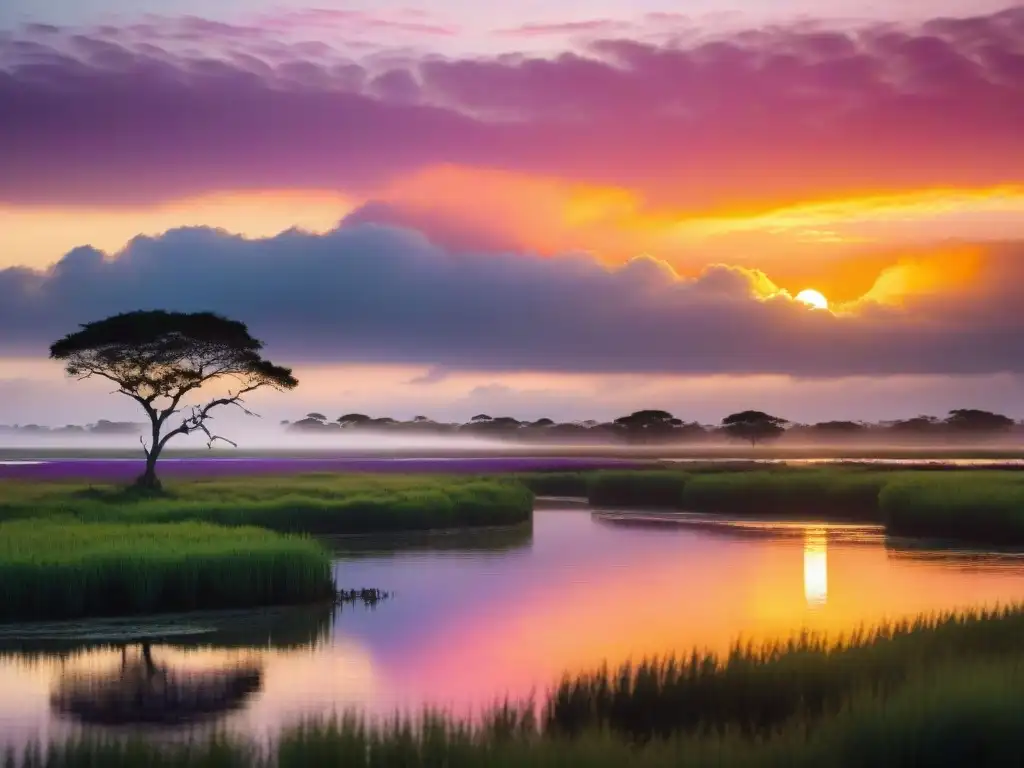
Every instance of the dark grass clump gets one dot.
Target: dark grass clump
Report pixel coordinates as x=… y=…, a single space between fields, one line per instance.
x=977 y=507
x=846 y=494
x=320 y=504
x=62 y=569
x=566 y=484
x=754 y=691
x=651 y=488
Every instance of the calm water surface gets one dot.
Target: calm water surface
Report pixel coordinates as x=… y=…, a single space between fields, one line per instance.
x=475 y=617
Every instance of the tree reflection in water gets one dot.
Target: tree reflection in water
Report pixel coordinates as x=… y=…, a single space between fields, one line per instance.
x=144 y=691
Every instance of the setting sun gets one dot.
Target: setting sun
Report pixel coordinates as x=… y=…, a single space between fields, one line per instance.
x=813 y=299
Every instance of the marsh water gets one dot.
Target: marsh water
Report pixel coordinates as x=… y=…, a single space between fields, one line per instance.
x=476 y=617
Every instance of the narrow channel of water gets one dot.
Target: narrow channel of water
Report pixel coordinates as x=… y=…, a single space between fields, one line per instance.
x=479 y=616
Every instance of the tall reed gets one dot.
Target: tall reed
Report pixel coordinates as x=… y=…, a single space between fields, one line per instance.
x=979 y=507
x=62 y=569
x=652 y=488
x=754 y=690
x=953 y=715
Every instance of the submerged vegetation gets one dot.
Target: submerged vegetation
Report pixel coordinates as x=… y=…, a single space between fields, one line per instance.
x=939 y=691
x=61 y=569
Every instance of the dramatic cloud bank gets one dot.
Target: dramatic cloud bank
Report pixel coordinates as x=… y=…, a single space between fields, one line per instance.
x=367 y=293
x=758 y=118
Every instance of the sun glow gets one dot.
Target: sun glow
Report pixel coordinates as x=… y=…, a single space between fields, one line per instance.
x=813 y=299
x=816 y=566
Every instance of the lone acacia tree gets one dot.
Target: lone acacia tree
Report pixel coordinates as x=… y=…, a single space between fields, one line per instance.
x=157 y=358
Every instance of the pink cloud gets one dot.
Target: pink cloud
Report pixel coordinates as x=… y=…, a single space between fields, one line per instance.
x=754 y=118
x=590 y=26
x=318 y=18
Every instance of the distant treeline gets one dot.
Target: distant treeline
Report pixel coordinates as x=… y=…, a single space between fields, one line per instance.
x=100 y=428
x=661 y=426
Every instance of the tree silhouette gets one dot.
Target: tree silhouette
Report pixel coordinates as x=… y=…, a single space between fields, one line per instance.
x=753 y=426
x=973 y=421
x=354 y=420
x=158 y=358
x=648 y=425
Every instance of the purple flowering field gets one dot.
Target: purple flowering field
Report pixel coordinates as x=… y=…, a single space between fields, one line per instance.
x=118 y=470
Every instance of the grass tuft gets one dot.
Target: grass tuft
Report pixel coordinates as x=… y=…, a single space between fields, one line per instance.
x=62 y=569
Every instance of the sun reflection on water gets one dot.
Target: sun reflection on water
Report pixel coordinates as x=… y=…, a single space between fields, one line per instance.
x=815 y=567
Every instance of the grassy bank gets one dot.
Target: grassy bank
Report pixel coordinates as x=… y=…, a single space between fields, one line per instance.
x=936 y=692
x=319 y=503
x=849 y=494
x=982 y=507
x=62 y=569
x=971 y=506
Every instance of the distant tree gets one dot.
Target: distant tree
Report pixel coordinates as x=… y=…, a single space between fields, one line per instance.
x=316 y=416
x=753 y=426
x=543 y=423
x=420 y=420
x=480 y=417
x=917 y=426
x=354 y=420
x=105 y=427
x=159 y=358
x=648 y=425
x=972 y=421
x=309 y=425
x=839 y=428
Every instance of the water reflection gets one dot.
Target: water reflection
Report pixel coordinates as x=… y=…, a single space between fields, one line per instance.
x=815 y=566
x=141 y=690
x=955 y=557
x=474 y=619
x=302 y=627
x=463 y=541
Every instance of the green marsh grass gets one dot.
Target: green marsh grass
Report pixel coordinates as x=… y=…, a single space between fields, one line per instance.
x=978 y=507
x=555 y=483
x=849 y=493
x=63 y=569
x=952 y=715
x=755 y=690
x=317 y=504
x=645 y=488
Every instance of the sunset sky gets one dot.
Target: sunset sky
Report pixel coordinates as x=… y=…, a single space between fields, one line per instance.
x=566 y=209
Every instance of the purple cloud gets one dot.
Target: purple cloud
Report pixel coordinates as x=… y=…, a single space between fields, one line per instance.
x=759 y=117
x=366 y=293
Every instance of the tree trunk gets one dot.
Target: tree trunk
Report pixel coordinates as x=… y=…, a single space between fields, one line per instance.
x=148 y=481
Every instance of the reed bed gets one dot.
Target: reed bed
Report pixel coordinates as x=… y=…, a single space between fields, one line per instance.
x=320 y=504
x=978 y=507
x=555 y=483
x=755 y=690
x=63 y=569
x=956 y=715
x=849 y=494
x=652 y=488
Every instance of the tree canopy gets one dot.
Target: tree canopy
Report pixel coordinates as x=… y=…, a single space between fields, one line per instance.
x=753 y=426
x=158 y=358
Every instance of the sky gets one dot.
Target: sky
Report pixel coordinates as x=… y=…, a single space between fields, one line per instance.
x=569 y=210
